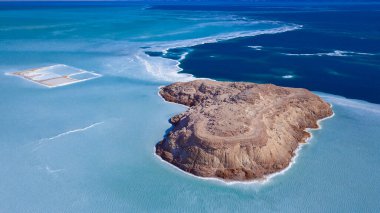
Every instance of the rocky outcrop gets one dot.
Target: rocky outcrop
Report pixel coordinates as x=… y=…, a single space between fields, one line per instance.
x=238 y=131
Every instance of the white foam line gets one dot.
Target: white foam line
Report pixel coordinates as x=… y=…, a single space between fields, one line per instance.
x=52 y=171
x=173 y=74
x=72 y=131
x=222 y=37
x=287 y=76
x=335 y=53
x=256 y=47
x=45 y=140
x=163 y=73
x=183 y=56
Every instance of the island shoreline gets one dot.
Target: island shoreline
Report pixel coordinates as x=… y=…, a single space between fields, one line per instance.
x=266 y=178
x=262 y=181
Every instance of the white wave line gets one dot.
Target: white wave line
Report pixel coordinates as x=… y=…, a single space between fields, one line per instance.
x=165 y=46
x=52 y=171
x=168 y=69
x=71 y=132
x=256 y=47
x=336 y=53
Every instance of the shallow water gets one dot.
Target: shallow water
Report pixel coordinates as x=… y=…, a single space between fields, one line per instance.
x=90 y=146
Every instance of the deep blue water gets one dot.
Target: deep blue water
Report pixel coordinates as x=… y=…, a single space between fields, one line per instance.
x=336 y=51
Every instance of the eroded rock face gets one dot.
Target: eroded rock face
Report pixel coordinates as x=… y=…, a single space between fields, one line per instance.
x=238 y=131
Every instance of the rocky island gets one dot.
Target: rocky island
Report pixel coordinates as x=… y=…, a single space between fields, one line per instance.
x=238 y=131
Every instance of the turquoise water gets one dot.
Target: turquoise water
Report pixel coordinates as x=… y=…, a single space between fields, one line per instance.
x=90 y=146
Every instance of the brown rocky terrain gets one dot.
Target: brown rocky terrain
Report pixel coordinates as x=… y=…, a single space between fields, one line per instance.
x=238 y=131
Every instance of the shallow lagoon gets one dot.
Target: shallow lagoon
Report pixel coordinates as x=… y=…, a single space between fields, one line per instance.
x=111 y=166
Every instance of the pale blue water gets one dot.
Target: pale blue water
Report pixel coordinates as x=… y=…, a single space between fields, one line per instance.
x=90 y=146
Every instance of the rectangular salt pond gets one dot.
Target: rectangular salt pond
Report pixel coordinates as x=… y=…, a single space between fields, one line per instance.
x=56 y=75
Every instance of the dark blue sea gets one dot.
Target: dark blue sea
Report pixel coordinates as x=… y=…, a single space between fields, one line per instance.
x=337 y=49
